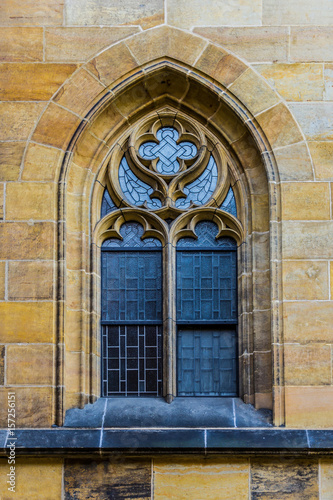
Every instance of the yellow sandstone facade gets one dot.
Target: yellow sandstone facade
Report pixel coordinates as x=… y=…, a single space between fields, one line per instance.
x=75 y=78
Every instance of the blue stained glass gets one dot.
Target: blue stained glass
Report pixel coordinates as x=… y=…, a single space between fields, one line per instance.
x=136 y=191
x=200 y=190
x=206 y=232
x=167 y=150
x=107 y=204
x=131 y=233
x=229 y=203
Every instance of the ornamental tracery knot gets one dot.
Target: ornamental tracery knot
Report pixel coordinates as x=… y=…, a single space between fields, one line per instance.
x=169 y=165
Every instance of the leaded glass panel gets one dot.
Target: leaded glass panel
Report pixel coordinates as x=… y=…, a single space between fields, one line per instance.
x=107 y=204
x=229 y=203
x=135 y=190
x=202 y=189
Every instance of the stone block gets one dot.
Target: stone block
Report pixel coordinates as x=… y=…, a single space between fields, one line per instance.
x=2 y=280
x=306 y=201
x=253 y=92
x=212 y=477
x=186 y=14
x=284 y=479
x=30 y=280
x=322 y=153
x=315 y=119
x=32 y=81
x=328 y=82
x=106 y=123
x=35 y=242
x=220 y=65
x=26 y=322
x=294 y=163
x=201 y=99
x=262 y=374
x=79 y=93
x=305 y=280
x=135 y=100
x=21 y=44
x=309 y=44
x=10 y=160
x=326 y=478
x=55 y=127
x=295 y=82
x=260 y=212
x=228 y=123
x=255 y=44
x=29 y=364
x=41 y=163
x=2 y=200
x=31 y=12
x=110 y=478
x=112 y=64
x=18 y=119
x=111 y=12
x=75 y=289
x=262 y=330
x=261 y=288
x=309 y=406
x=35 y=477
x=74 y=369
x=33 y=406
x=2 y=364
x=279 y=126
x=308 y=321
x=80 y=44
x=307 y=240
x=30 y=200
x=307 y=364
x=75 y=322
x=166 y=42
x=331 y=278
x=302 y=12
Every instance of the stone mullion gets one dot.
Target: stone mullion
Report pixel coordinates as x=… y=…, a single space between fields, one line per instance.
x=169 y=323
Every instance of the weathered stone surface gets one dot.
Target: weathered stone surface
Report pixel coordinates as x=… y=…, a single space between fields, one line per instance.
x=33 y=406
x=106 y=12
x=30 y=280
x=284 y=479
x=21 y=44
x=301 y=12
x=32 y=82
x=186 y=14
x=257 y=43
x=2 y=280
x=295 y=82
x=2 y=200
x=306 y=201
x=26 y=322
x=31 y=12
x=104 y=479
x=189 y=478
x=55 y=127
x=307 y=240
x=107 y=122
x=79 y=44
x=315 y=119
x=322 y=154
x=220 y=65
x=35 y=242
x=2 y=364
x=311 y=44
x=309 y=321
x=328 y=81
x=79 y=93
x=279 y=126
x=34 y=477
x=305 y=280
x=10 y=160
x=309 y=407
x=294 y=163
x=20 y=359
x=307 y=364
x=18 y=119
x=253 y=92
x=260 y=215
x=326 y=478
x=41 y=163
x=30 y=200
x=331 y=278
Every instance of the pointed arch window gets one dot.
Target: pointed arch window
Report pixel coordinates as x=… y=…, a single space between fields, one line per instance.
x=169 y=233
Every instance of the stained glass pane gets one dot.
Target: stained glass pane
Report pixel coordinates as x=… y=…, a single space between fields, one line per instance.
x=136 y=191
x=107 y=204
x=167 y=150
x=206 y=232
x=131 y=233
x=229 y=203
x=202 y=189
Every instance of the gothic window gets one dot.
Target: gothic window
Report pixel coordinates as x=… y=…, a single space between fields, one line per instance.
x=169 y=233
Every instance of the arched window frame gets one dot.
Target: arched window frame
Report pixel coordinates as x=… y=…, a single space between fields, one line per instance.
x=154 y=221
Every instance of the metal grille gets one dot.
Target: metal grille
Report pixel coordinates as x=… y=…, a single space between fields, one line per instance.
x=207 y=363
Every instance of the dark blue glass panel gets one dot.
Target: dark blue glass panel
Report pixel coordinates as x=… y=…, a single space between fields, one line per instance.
x=131 y=233
x=136 y=191
x=206 y=362
x=229 y=203
x=107 y=204
x=167 y=150
x=202 y=189
x=206 y=232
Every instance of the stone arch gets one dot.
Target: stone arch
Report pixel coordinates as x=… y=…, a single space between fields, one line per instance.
x=167 y=67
